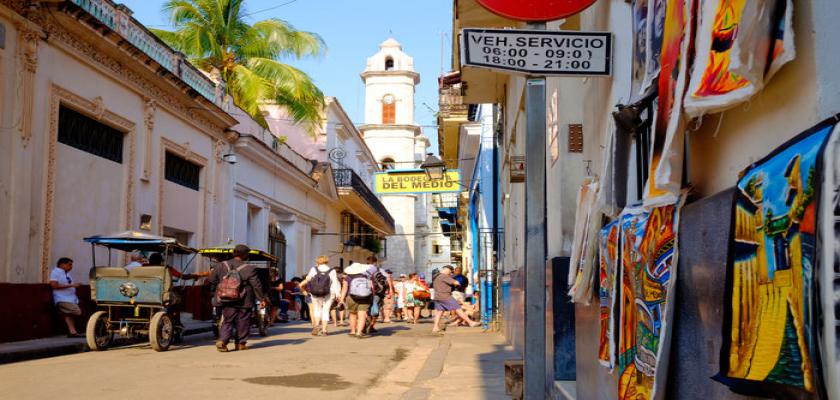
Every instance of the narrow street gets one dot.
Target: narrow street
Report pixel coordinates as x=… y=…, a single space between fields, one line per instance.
x=402 y=362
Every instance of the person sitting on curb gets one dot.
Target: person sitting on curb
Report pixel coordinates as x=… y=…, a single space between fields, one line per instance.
x=64 y=294
x=444 y=302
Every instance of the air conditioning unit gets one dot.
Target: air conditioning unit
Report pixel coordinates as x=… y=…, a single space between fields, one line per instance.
x=517 y=169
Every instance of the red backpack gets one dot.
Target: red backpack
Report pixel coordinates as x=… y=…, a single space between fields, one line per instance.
x=230 y=287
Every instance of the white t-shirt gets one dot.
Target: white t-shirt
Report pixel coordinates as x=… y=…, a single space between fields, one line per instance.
x=66 y=295
x=132 y=265
x=398 y=287
x=335 y=285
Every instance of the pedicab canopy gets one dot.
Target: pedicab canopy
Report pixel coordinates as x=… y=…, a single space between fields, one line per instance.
x=225 y=252
x=139 y=241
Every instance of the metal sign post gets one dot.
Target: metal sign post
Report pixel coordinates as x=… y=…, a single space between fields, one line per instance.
x=535 y=239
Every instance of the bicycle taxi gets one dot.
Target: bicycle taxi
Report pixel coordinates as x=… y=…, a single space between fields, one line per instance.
x=139 y=302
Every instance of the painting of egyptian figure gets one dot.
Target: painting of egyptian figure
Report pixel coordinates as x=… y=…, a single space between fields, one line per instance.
x=607 y=266
x=648 y=264
x=771 y=267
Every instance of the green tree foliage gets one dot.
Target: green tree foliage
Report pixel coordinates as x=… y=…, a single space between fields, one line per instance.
x=215 y=37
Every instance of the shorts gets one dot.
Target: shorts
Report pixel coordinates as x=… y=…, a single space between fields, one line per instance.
x=449 y=304
x=69 y=308
x=353 y=306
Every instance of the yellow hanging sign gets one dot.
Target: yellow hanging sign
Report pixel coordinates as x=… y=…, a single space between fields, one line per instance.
x=415 y=182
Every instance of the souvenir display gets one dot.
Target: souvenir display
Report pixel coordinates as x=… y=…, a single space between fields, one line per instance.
x=830 y=264
x=737 y=44
x=607 y=269
x=769 y=331
x=640 y=46
x=582 y=262
x=664 y=182
x=648 y=255
x=655 y=35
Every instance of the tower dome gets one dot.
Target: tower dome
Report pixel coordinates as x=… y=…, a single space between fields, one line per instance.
x=391 y=58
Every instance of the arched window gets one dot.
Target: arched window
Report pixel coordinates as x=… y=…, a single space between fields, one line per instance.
x=277 y=248
x=389 y=64
x=388 y=163
x=389 y=109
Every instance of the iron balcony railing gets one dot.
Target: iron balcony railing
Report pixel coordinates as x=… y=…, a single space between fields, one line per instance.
x=346 y=178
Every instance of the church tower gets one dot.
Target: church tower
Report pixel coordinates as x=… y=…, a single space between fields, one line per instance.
x=397 y=142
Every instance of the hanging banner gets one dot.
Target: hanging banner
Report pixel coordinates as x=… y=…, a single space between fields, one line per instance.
x=830 y=265
x=582 y=263
x=770 y=327
x=415 y=182
x=608 y=268
x=538 y=52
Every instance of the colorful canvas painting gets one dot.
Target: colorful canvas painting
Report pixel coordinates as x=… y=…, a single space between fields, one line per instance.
x=663 y=186
x=655 y=36
x=737 y=43
x=648 y=241
x=607 y=268
x=769 y=335
x=582 y=262
x=830 y=265
x=640 y=46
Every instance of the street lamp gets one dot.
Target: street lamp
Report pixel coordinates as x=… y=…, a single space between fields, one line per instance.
x=434 y=167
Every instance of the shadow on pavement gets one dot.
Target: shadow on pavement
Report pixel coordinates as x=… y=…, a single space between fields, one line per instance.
x=492 y=366
x=276 y=342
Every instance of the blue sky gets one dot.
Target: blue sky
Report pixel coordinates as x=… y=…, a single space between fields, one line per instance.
x=353 y=30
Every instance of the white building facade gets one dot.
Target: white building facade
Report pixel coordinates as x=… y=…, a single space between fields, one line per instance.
x=398 y=143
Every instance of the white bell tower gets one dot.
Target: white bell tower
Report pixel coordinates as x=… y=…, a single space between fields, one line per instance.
x=397 y=142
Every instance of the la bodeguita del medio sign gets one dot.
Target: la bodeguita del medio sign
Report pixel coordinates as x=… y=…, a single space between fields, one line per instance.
x=415 y=182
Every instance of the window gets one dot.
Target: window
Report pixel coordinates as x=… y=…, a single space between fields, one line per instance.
x=435 y=224
x=182 y=172
x=389 y=64
x=277 y=248
x=436 y=248
x=388 y=163
x=389 y=109
x=88 y=135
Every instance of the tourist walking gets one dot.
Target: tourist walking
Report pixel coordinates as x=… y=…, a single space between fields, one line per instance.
x=236 y=288
x=443 y=284
x=399 y=296
x=338 y=311
x=357 y=296
x=390 y=298
x=382 y=288
x=323 y=287
x=416 y=294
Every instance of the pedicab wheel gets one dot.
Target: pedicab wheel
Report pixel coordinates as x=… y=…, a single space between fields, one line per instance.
x=96 y=333
x=161 y=331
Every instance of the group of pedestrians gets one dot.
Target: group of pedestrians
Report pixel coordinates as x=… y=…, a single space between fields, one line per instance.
x=364 y=291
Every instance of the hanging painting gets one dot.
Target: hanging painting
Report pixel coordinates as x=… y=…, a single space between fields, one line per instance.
x=665 y=178
x=655 y=35
x=739 y=45
x=640 y=46
x=582 y=262
x=830 y=264
x=648 y=241
x=607 y=269
x=769 y=330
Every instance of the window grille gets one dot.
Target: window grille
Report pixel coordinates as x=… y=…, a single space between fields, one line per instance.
x=88 y=135
x=182 y=172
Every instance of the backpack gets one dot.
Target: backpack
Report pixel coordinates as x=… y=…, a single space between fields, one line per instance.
x=359 y=287
x=380 y=282
x=230 y=287
x=320 y=284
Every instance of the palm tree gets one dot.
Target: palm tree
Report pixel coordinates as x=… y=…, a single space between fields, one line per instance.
x=214 y=36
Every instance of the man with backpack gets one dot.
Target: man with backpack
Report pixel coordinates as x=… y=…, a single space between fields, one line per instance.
x=236 y=287
x=357 y=296
x=383 y=287
x=322 y=284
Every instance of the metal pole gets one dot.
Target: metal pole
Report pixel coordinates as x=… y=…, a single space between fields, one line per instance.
x=535 y=237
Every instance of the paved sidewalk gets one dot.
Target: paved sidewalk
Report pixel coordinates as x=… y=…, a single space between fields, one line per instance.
x=61 y=345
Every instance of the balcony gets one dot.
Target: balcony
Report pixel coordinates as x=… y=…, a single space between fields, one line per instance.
x=358 y=197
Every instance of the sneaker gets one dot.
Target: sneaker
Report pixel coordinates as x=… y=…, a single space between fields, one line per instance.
x=242 y=347
x=221 y=347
